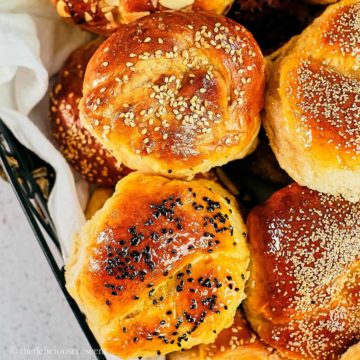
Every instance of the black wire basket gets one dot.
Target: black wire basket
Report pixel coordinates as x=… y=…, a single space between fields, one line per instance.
x=32 y=179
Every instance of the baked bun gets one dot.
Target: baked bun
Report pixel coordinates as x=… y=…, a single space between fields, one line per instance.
x=235 y=343
x=97 y=200
x=175 y=93
x=303 y=292
x=313 y=103
x=161 y=266
x=77 y=145
x=107 y=16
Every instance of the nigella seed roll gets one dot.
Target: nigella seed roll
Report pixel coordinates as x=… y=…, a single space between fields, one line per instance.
x=161 y=267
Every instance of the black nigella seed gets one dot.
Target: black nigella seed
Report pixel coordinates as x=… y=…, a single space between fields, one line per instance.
x=225 y=307
x=151 y=292
x=154 y=236
x=158 y=352
x=114 y=293
x=107 y=302
x=124 y=329
x=179 y=275
x=149 y=285
x=169 y=171
x=135 y=297
x=205 y=283
x=132 y=230
x=229 y=277
x=169 y=312
x=122 y=242
x=110 y=286
x=135 y=339
x=165 y=273
x=162 y=322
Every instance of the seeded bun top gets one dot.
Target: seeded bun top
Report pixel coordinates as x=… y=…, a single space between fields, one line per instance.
x=161 y=266
x=175 y=94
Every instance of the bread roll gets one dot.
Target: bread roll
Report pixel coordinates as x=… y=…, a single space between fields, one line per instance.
x=303 y=292
x=175 y=94
x=313 y=103
x=97 y=201
x=77 y=145
x=161 y=266
x=235 y=343
x=106 y=16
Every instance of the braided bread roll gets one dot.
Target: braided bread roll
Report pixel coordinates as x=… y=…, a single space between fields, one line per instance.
x=106 y=16
x=312 y=115
x=175 y=94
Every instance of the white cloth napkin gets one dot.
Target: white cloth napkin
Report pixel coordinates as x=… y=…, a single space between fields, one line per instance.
x=34 y=44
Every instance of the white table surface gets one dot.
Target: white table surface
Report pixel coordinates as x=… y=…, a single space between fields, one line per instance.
x=35 y=320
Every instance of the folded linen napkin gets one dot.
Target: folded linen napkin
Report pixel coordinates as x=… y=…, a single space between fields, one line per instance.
x=34 y=43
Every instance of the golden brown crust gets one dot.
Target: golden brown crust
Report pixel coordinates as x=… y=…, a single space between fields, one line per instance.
x=175 y=93
x=97 y=201
x=303 y=292
x=161 y=266
x=77 y=145
x=236 y=342
x=313 y=104
x=107 y=16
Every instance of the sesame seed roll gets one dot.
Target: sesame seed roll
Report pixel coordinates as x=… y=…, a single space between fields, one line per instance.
x=303 y=292
x=175 y=94
x=312 y=110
